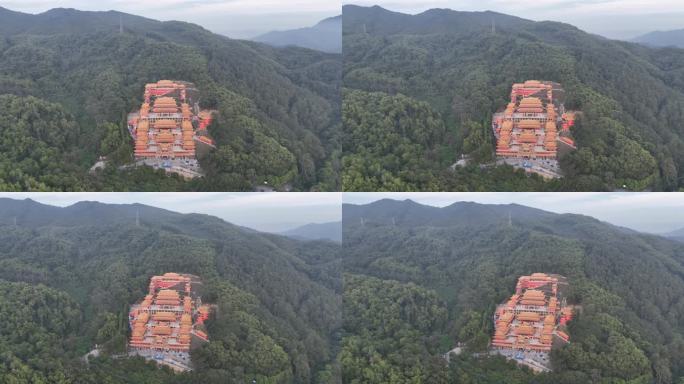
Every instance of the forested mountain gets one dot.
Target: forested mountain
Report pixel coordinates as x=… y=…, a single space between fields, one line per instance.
x=315 y=231
x=420 y=91
x=676 y=235
x=419 y=279
x=69 y=275
x=663 y=38
x=68 y=78
x=325 y=36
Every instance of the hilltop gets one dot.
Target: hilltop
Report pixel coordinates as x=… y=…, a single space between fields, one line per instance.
x=325 y=36
x=317 y=231
x=662 y=38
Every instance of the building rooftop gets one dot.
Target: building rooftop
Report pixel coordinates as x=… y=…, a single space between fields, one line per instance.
x=530 y=319
x=169 y=318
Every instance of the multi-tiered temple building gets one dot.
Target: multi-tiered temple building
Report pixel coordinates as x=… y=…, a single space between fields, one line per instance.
x=169 y=126
x=534 y=124
x=169 y=321
x=531 y=322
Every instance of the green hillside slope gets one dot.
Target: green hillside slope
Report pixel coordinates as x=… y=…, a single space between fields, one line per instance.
x=456 y=263
x=77 y=270
x=631 y=96
x=278 y=108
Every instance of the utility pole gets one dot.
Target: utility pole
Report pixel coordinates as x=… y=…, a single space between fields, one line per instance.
x=137 y=217
x=121 y=31
x=493 y=27
x=510 y=219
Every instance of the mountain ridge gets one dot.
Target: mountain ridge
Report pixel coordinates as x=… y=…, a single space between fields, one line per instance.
x=677 y=234
x=435 y=17
x=671 y=38
x=316 y=231
x=325 y=36
x=96 y=20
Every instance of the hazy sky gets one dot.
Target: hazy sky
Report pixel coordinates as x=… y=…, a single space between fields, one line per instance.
x=268 y=212
x=234 y=18
x=646 y=212
x=619 y=19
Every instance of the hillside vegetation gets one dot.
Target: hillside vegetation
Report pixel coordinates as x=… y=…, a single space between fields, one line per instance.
x=278 y=108
x=420 y=279
x=69 y=275
x=441 y=74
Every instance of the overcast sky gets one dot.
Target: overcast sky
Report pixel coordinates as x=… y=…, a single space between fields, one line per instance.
x=646 y=212
x=267 y=212
x=618 y=19
x=234 y=18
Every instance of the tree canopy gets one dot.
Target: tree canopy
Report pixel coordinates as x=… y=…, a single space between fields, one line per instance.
x=68 y=277
x=459 y=72
x=278 y=109
x=421 y=279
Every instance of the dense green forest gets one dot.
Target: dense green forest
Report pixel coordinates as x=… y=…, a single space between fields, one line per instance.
x=420 y=91
x=421 y=279
x=69 y=275
x=68 y=79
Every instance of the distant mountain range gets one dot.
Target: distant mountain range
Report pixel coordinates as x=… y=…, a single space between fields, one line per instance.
x=673 y=38
x=325 y=231
x=325 y=36
x=675 y=235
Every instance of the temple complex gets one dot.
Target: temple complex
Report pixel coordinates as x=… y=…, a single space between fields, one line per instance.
x=169 y=321
x=532 y=321
x=169 y=128
x=534 y=124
